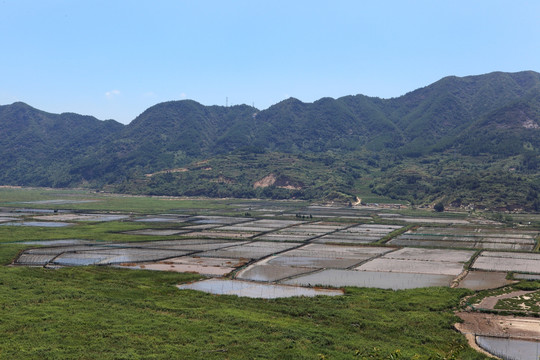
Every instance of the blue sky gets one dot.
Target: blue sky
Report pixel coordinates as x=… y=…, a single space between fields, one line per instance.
x=113 y=59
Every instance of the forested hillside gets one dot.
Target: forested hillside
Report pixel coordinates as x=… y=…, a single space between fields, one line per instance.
x=460 y=141
x=42 y=149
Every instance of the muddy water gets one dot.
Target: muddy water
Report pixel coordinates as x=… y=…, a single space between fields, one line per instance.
x=271 y=272
x=527 y=276
x=510 y=349
x=482 y=280
x=255 y=290
x=382 y=280
x=313 y=262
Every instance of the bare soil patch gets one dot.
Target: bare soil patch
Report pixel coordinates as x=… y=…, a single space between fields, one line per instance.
x=266 y=181
x=524 y=328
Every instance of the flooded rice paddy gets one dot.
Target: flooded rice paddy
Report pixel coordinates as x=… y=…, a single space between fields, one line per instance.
x=420 y=261
x=82 y=217
x=295 y=251
x=483 y=280
x=382 y=280
x=510 y=349
x=310 y=249
x=527 y=276
x=472 y=237
x=194 y=264
x=255 y=290
x=507 y=261
x=359 y=234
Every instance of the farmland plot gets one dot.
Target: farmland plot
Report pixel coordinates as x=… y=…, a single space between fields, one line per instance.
x=334 y=211
x=82 y=217
x=420 y=261
x=195 y=264
x=505 y=261
x=253 y=250
x=382 y=280
x=261 y=225
x=113 y=256
x=255 y=290
x=163 y=219
x=216 y=220
x=474 y=238
x=483 y=280
x=216 y=234
x=186 y=244
x=401 y=269
x=270 y=273
x=156 y=232
x=430 y=220
x=359 y=234
x=309 y=258
x=302 y=232
x=118 y=253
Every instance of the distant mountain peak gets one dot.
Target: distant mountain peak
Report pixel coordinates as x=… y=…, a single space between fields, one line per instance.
x=495 y=114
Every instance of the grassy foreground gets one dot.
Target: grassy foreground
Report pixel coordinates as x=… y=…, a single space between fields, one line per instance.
x=106 y=313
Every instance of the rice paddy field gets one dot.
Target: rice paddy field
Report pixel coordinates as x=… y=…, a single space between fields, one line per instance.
x=94 y=275
x=469 y=237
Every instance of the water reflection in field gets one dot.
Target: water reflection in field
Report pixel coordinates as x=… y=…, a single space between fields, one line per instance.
x=510 y=349
x=383 y=280
x=255 y=290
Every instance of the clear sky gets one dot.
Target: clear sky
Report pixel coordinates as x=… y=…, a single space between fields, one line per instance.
x=113 y=59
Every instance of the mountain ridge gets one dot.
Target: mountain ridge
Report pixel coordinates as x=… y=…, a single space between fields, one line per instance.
x=495 y=115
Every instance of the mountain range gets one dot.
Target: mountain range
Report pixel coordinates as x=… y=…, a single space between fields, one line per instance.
x=459 y=141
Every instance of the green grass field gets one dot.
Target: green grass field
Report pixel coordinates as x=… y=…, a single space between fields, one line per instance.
x=23 y=198
x=109 y=313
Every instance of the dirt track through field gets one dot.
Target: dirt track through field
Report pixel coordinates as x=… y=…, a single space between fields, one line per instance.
x=490 y=301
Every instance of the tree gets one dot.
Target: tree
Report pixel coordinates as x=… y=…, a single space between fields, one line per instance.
x=439 y=207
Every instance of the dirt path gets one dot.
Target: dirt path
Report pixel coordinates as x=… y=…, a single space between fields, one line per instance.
x=490 y=301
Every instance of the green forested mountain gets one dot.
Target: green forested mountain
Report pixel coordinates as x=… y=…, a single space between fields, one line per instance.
x=43 y=149
x=459 y=140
